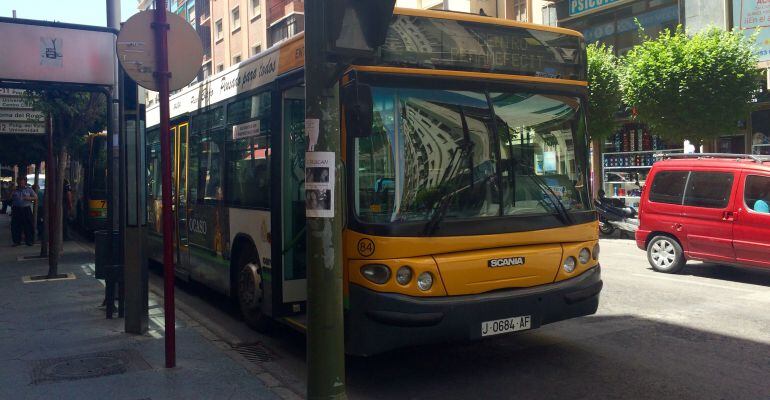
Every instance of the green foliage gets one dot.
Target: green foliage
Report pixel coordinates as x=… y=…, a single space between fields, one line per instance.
x=22 y=149
x=604 y=95
x=74 y=114
x=694 y=87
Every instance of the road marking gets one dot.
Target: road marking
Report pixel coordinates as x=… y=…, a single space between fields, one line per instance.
x=693 y=282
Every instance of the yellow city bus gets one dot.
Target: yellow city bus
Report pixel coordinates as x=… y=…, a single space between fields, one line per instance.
x=466 y=208
x=87 y=174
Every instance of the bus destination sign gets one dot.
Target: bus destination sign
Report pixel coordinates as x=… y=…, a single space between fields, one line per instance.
x=431 y=43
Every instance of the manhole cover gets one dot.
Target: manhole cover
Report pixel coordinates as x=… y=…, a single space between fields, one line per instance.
x=81 y=368
x=86 y=366
x=256 y=352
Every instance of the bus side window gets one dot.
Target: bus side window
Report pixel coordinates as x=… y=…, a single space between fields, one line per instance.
x=208 y=162
x=248 y=172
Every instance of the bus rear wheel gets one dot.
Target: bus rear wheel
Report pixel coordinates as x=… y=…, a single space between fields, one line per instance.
x=250 y=292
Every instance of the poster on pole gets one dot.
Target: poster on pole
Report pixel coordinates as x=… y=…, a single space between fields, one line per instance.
x=319 y=184
x=753 y=16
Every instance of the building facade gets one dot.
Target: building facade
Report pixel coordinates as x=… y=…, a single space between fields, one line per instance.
x=237 y=31
x=516 y=10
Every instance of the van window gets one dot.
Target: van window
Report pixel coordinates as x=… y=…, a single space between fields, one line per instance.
x=668 y=187
x=709 y=189
x=757 y=193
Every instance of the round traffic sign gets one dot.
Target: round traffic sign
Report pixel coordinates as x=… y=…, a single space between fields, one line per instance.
x=137 y=50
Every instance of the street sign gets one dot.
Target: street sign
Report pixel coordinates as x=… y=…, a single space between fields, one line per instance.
x=21 y=128
x=137 y=49
x=17 y=116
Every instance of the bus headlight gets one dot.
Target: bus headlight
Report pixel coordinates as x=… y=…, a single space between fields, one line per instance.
x=596 y=252
x=569 y=264
x=425 y=281
x=376 y=273
x=584 y=256
x=404 y=275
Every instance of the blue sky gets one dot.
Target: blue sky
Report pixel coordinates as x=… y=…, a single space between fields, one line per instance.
x=86 y=12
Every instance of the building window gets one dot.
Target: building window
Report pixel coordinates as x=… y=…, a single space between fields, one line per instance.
x=519 y=10
x=549 y=15
x=286 y=28
x=206 y=70
x=256 y=9
x=256 y=49
x=220 y=68
x=237 y=59
x=218 y=30
x=235 y=20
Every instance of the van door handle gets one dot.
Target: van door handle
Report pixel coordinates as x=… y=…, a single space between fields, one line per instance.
x=677 y=227
x=728 y=216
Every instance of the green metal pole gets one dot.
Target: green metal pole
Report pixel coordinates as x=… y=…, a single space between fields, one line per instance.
x=325 y=336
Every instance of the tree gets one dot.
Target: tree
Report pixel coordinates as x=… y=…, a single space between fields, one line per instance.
x=604 y=100
x=73 y=115
x=604 y=95
x=691 y=87
x=22 y=150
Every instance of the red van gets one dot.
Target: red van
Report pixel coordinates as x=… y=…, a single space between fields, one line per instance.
x=706 y=207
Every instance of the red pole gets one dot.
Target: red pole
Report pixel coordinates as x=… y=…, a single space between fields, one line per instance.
x=162 y=75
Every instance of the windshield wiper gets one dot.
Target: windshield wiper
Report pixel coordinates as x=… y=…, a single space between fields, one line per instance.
x=561 y=211
x=466 y=150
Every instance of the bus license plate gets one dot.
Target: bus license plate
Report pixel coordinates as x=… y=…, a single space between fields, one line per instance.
x=496 y=327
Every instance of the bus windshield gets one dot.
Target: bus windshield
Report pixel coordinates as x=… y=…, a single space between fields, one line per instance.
x=447 y=154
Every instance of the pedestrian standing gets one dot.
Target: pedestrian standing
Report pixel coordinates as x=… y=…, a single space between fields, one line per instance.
x=21 y=213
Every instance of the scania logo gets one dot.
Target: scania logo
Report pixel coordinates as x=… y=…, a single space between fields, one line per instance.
x=505 y=262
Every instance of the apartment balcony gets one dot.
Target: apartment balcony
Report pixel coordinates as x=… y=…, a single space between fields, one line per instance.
x=280 y=8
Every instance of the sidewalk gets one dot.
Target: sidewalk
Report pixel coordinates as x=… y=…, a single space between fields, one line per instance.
x=55 y=342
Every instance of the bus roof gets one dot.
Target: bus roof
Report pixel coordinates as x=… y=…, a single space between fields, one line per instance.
x=289 y=55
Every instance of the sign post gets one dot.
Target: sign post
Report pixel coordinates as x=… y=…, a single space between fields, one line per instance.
x=145 y=58
x=162 y=77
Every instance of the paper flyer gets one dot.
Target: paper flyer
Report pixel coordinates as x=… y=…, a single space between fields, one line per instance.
x=319 y=184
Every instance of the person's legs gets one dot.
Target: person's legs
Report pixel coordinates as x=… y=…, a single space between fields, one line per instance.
x=16 y=225
x=28 y=225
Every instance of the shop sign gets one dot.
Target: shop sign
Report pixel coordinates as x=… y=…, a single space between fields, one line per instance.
x=751 y=16
x=651 y=18
x=580 y=6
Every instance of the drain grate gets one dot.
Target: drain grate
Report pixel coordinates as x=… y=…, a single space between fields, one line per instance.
x=254 y=352
x=86 y=366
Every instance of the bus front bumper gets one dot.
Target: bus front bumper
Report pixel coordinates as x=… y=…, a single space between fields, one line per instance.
x=378 y=322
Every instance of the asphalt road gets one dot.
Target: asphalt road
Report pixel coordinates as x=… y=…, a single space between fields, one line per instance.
x=702 y=334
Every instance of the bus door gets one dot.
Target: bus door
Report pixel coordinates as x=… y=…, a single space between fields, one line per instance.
x=294 y=284
x=180 y=137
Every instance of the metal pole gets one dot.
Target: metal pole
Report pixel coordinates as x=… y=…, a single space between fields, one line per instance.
x=325 y=336
x=50 y=187
x=113 y=127
x=162 y=75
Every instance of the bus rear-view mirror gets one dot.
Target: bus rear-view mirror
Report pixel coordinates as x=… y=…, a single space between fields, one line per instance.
x=358 y=110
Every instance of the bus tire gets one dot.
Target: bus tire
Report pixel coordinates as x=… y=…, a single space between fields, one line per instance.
x=665 y=254
x=249 y=289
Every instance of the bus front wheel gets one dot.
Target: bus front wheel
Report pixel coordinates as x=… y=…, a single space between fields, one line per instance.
x=250 y=293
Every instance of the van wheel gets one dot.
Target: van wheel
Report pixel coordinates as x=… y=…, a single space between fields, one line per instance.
x=665 y=255
x=249 y=291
